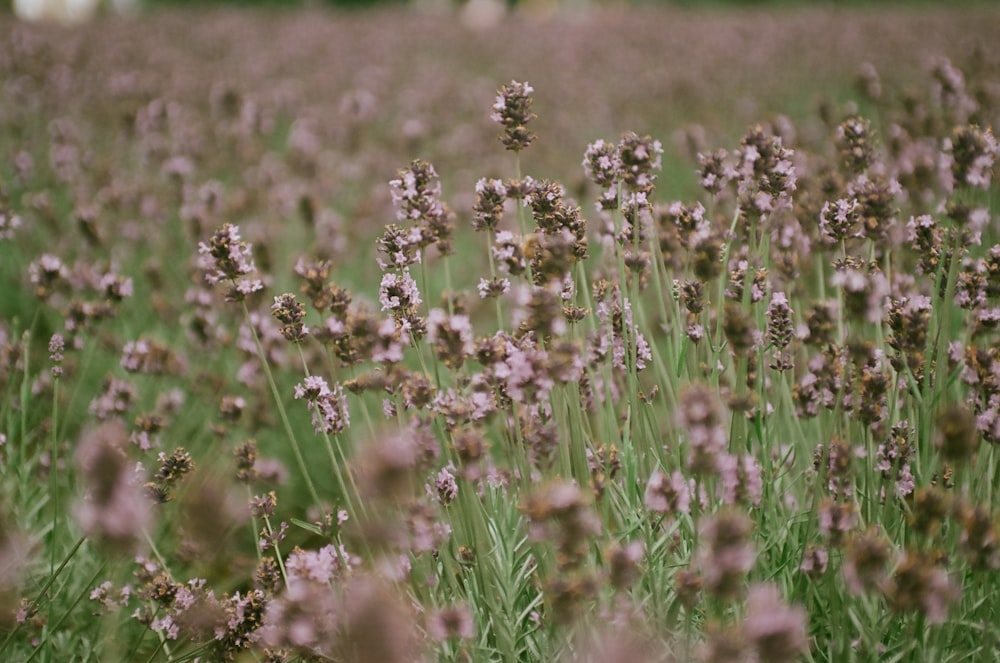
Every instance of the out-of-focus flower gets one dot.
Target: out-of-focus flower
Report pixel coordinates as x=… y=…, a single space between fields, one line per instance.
x=726 y=554
x=920 y=583
x=669 y=495
x=774 y=629
x=867 y=562
x=113 y=509
x=451 y=623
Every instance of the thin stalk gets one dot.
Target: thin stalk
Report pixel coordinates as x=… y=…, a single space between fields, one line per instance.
x=25 y=393
x=45 y=588
x=448 y=288
x=720 y=303
x=281 y=408
x=255 y=525
x=277 y=551
x=335 y=464
x=522 y=221
x=493 y=276
x=72 y=607
x=53 y=474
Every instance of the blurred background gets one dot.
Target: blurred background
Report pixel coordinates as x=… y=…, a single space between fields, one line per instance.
x=73 y=11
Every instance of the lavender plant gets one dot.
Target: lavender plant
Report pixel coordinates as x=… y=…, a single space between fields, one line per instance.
x=758 y=422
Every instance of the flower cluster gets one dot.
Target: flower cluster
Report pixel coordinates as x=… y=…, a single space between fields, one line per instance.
x=512 y=110
x=226 y=258
x=328 y=406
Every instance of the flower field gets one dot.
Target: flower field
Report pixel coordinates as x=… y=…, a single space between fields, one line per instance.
x=608 y=335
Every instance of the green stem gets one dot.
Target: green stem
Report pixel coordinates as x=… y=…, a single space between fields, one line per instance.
x=493 y=276
x=53 y=474
x=45 y=588
x=522 y=221
x=277 y=551
x=281 y=408
x=334 y=463
x=76 y=602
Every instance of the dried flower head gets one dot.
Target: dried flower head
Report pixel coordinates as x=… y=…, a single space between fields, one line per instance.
x=893 y=458
x=445 y=486
x=929 y=508
x=865 y=291
x=9 y=222
x=837 y=520
x=738 y=327
x=766 y=175
x=416 y=193
x=780 y=329
x=399 y=293
x=814 y=561
x=173 y=468
x=714 y=171
x=148 y=356
x=560 y=512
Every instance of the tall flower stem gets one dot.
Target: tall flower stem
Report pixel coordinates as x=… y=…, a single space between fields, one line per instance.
x=335 y=463
x=493 y=276
x=296 y=450
x=522 y=219
x=54 y=474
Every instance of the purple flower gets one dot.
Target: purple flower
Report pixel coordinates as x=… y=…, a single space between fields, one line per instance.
x=328 y=406
x=488 y=210
x=320 y=566
x=398 y=292
x=601 y=163
x=777 y=631
x=114 y=509
x=227 y=258
x=452 y=622
x=451 y=337
x=445 y=486
x=668 y=495
x=726 y=554
x=700 y=415
x=9 y=222
x=512 y=109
